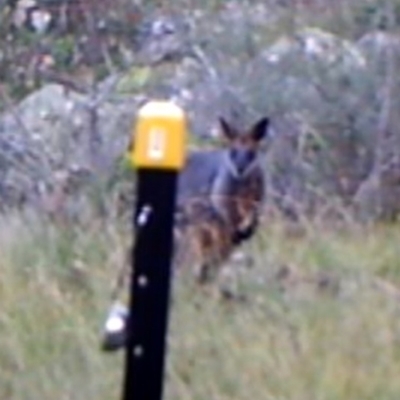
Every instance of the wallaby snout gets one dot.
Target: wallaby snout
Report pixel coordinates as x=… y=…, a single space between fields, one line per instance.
x=242 y=159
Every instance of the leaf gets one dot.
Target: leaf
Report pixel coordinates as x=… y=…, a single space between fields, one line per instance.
x=137 y=78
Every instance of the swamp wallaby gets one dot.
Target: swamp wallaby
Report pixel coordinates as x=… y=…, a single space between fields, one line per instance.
x=219 y=197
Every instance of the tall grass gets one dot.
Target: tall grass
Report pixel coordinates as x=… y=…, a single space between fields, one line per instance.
x=54 y=284
x=293 y=338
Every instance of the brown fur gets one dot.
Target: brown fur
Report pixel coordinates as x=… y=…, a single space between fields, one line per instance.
x=202 y=236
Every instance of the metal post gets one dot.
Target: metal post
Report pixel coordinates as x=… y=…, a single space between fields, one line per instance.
x=158 y=154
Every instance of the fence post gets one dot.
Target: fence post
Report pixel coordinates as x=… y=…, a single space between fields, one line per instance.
x=158 y=154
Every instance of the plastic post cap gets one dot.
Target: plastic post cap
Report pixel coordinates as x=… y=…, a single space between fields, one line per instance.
x=160 y=136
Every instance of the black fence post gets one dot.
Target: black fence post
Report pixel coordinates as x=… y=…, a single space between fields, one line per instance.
x=158 y=154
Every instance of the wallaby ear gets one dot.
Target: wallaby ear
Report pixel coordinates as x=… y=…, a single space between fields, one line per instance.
x=227 y=131
x=260 y=129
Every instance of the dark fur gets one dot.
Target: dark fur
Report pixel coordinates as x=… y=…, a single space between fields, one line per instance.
x=202 y=236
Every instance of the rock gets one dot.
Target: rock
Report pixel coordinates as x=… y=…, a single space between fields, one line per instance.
x=51 y=130
x=374 y=43
x=314 y=44
x=163 y=38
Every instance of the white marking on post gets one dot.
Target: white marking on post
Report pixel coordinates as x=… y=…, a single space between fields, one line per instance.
x=157 y=144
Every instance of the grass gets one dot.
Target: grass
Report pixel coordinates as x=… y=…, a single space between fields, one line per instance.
x=293 y=339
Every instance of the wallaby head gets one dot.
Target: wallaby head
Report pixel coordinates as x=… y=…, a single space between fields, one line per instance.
x=243 y=147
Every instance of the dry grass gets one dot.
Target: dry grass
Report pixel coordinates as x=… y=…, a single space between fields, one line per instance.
x=326 y=328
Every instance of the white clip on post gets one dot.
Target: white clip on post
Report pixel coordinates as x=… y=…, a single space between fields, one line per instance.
x=115 y=327
x=143 y=216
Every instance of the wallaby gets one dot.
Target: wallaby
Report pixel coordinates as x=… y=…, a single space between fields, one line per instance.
x=219 y=197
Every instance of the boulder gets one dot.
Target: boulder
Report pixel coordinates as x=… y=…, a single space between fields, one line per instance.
x=55 y=129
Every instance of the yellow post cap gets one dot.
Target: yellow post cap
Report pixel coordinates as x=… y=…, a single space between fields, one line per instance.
x=160 y=136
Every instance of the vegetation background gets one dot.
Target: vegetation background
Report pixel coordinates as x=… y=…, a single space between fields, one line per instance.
x=321 y=316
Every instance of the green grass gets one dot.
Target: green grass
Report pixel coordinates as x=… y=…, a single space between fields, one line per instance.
x=291 y=339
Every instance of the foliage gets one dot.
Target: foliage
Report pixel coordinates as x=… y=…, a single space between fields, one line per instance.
x=293 y=338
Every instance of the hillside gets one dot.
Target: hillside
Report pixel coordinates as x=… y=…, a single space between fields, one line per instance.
x=321 y=297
